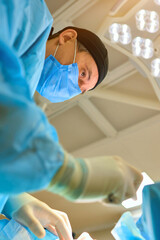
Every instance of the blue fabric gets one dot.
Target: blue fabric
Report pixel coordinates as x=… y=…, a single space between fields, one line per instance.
x=126 y=229
x=58 y=82
x=29 y=153
x=12 y=230
x=3 y=200
x=140 y=226
x=3 y=223
x=151 y=211
x=148 y=225
x=25 y=26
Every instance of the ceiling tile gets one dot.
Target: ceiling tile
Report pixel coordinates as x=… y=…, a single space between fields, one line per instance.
x=93 y=17
x=54 y=5
x=122 y=115
x=136 y=84
x=75 y=129
x=115 y=58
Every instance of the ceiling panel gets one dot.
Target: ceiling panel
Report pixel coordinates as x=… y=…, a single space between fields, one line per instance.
x=55 y=5
x=138 y=146
x=122 y=115
x=76 y=129
x=115 y=58
x=136 y=84
x=143 y=146
x=93 y=17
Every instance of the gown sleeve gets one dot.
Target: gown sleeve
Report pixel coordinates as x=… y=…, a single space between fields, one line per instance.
x=25 y=27
x=30 y=155
x=29 y=152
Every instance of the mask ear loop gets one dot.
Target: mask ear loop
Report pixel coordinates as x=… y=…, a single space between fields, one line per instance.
x=75 y=51
x=56 y=50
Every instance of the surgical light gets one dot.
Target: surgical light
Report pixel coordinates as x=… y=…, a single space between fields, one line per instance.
x=147 y=21
x=145 y=44
x=115 y=28
x=125 y=39
x=114 y=31
x=125 y=29
x=114 y=37
x=147 y=49
x=120 y=33
x=155 y=67
x=157 y=2
x=152 y=27
x=141 y=25
x=153 y=16
x=141 y=19
x=129 y=203
x=136 y=46
x=147 y=53
x=142 y=47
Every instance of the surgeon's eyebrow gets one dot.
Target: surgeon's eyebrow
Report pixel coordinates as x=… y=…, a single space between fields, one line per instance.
x=89 y=72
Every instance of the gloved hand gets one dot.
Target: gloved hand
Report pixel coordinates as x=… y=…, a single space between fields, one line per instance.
x=37 y=215
x=107 y=179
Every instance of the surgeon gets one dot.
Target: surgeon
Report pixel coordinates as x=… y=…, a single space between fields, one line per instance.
x=76 y=62
x=30 y=156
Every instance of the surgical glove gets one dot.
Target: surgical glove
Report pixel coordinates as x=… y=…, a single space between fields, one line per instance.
x=107 y=179
x=37 y=215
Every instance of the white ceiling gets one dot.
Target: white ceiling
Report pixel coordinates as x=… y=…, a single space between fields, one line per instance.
x=120 y=117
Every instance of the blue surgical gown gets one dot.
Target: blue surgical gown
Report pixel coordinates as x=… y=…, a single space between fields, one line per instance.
x=30 y=154
x=147 y=227
x=10 y=230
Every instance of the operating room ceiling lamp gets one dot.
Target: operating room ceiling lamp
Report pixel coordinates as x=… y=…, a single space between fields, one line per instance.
x=147 y=21
x=155 y=67
x=142 y=47
x=120 y=33
x=139 y=41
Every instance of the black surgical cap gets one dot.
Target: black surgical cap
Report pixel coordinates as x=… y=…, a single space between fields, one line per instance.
x=94 y=46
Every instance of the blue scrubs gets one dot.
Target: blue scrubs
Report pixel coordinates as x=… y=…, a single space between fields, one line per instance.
x=30 y=154
x=151 y=211
x=147 y=227
x=10 y=230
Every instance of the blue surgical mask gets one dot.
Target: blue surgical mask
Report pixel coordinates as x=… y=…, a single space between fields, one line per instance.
x=59 y=82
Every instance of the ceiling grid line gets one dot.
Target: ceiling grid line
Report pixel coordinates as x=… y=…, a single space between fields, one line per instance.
x=119 y=74
x=128 y=98
x=96 y=116
x=121 y=134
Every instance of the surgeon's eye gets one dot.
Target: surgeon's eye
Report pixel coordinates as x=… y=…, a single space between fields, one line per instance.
x=83 y=74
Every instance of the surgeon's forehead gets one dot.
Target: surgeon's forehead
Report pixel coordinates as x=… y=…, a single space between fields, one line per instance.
x=87 y=59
